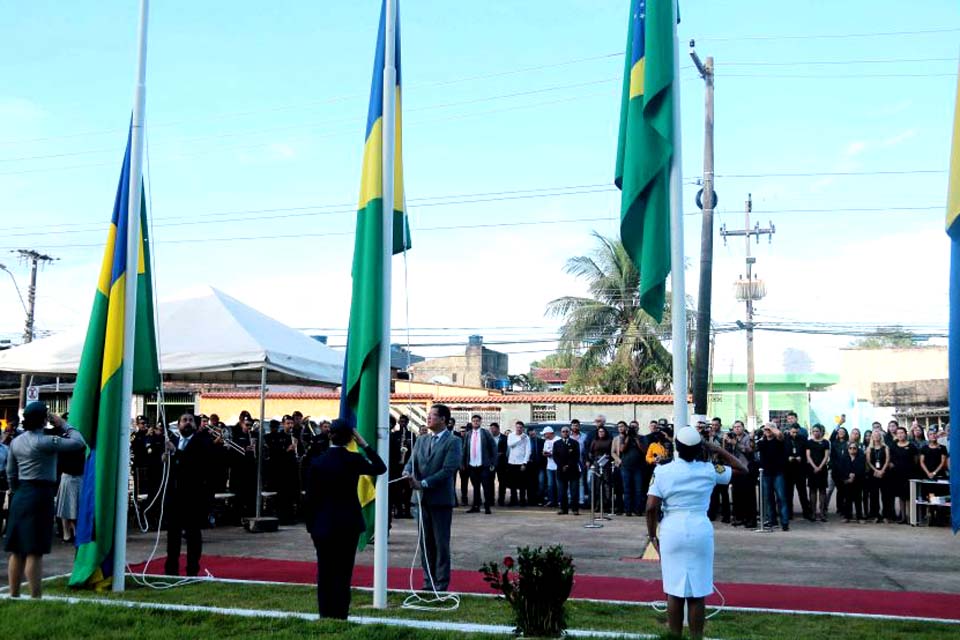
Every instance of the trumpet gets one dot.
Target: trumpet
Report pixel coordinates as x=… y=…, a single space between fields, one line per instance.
x=226 y=438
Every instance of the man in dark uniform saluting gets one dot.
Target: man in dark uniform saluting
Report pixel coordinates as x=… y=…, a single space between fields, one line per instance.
x=334 y=517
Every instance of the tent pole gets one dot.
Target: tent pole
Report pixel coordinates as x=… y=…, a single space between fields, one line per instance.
x=263 y=425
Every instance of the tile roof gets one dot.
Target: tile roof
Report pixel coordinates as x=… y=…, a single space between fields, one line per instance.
x=548 y=374
x=246 y=395
x=558 y=398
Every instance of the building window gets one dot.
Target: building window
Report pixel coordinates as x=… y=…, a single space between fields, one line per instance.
x=543 y=413
x=463 y=414
x=454 y=377
x=780 y=416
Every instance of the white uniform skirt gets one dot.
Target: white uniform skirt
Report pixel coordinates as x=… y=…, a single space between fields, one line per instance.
x=68 y=497
x=686 y=554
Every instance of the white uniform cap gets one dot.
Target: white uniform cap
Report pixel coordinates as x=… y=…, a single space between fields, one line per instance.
x=689 y=436
x=548 y=429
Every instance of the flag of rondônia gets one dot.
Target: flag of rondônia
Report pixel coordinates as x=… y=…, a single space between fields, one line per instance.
x=95 y=409
x=359 y=400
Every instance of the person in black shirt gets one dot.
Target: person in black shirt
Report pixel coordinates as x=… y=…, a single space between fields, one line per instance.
x=838 y=448
x=818 y=457
x=903 y=456
x=849 y=471
x=933 y=460
x=796 y=471
x=773 y=462
x=243 y=467
x=878 y=464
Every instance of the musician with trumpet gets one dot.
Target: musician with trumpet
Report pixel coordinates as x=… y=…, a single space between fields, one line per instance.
x=283 y=466
x=243 y=463
x=401 y=444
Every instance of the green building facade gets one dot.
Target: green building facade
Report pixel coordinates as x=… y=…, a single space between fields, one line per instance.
x=776 y=395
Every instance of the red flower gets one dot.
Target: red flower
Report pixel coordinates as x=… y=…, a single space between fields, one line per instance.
x=508 y=562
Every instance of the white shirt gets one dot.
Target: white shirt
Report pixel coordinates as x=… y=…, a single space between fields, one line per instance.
x=686 y=486
x=183 y=442
x=518 y=449
x=548 y=446
x=476 y=453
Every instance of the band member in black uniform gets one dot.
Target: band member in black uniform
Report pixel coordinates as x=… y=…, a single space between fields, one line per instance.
x=399 y=453
x=243 y=467
x=284 y=467
x=334 y=517
x=189 y=494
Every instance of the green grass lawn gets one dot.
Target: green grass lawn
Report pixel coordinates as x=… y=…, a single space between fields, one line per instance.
x=51 y=620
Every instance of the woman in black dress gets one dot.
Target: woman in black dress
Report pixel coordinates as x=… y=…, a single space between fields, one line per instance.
x=878 y=464
x=818 y=457
x=903 y=455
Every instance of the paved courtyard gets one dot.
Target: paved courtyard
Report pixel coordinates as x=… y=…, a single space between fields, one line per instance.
x=865 y=556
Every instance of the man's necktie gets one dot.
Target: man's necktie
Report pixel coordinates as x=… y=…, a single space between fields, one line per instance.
x=475 y=444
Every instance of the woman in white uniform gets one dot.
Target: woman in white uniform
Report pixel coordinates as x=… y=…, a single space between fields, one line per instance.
x=685 y=543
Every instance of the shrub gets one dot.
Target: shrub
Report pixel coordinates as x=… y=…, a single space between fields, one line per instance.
x=536 y=585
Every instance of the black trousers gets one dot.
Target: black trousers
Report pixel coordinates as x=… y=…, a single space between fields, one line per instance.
x=796 y=479
x=743 y=488
x=502 y=483
x=464 y=485
x=849 y=499
x=335 y=556
x=720 y=503
x=481 y=478
x=184 y=521
x=518 y=483
x=567 y=486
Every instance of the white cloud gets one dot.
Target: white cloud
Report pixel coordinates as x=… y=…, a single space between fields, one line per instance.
x=899 y=138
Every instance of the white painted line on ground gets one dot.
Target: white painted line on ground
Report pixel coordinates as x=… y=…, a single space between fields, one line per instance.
x=841 y=614
x=436 y=625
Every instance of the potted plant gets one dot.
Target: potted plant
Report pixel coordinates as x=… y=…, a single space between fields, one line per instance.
x=536 y=585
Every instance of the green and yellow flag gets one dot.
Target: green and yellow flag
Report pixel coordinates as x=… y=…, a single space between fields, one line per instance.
x=359 y=400
x=646 y=148
x=95 y=409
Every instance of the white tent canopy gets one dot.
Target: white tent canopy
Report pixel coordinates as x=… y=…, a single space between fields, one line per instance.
x=210 y=337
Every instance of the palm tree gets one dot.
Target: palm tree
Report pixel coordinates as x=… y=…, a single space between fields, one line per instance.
x=619 y=344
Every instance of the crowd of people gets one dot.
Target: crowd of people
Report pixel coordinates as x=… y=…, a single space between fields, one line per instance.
x=213 y=477
x=610 y=468
x=574 y=467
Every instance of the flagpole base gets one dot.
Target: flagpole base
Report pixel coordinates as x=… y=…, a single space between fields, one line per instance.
x=261 y=525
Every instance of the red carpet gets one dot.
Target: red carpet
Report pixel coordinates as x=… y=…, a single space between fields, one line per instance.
x=765 y=596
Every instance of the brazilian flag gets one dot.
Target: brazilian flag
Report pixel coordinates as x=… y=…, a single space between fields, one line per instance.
x=95 y=409
x=645 y=150
x=359 y=398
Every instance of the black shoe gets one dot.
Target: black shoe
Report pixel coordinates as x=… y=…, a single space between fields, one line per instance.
x=576 y=512
x=628 y=514
x=785 y=527
x=473 y=510
x=725 y=520
x=562 y=512
x=487 y=511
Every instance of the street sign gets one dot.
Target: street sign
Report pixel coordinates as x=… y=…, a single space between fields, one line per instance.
x=33 y=394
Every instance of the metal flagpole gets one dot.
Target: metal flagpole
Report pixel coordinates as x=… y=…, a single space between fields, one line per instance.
x=130 y=302
x=679 y=298
x=381 y=522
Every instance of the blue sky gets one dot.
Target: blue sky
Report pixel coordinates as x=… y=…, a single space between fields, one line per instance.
x=261 y=106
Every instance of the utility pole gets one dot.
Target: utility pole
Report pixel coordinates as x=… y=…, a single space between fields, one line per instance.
x=708 y=200
x=35 y=258
x=748 y=290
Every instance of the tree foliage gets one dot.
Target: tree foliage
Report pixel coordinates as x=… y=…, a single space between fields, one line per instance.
x=888 y=338
x=617 y=346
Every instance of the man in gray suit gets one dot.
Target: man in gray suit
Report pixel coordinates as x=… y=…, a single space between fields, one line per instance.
x=432 y=469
